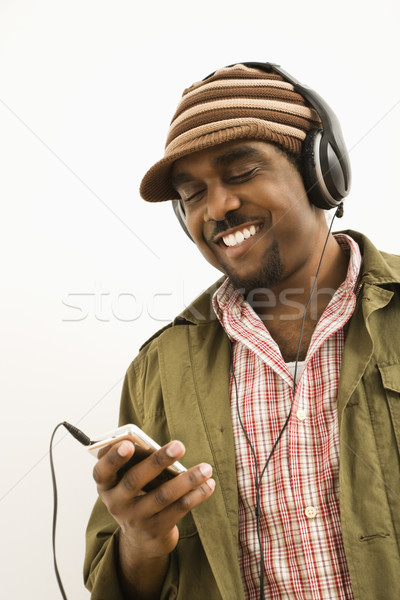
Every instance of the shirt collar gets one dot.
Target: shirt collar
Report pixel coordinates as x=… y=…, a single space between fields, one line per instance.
x=229 y=300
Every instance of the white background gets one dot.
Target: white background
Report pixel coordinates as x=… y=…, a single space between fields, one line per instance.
x=89 y=270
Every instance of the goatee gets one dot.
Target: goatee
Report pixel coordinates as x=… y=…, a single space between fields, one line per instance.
x=268 y=276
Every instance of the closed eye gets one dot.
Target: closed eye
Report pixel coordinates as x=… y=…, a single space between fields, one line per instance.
x=242 y=177
x=193 y=196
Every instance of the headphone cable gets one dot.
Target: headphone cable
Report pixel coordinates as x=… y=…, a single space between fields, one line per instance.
x=257 y=478
x=85 y=440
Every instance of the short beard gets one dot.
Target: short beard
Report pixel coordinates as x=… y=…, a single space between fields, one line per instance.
x=269 y=275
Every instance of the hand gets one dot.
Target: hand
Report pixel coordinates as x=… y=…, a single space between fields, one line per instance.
x=148 y=520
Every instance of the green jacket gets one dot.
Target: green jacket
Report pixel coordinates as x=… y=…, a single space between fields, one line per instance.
x=178 y=388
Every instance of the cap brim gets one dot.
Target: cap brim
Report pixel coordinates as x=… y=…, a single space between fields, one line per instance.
x=156 y=184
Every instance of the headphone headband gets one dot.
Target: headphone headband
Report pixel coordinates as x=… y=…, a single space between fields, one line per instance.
x=331 y=147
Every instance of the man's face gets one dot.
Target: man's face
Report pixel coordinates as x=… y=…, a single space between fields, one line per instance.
x=248 y=212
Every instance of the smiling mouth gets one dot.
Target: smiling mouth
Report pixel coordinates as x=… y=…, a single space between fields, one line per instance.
x=239 y=236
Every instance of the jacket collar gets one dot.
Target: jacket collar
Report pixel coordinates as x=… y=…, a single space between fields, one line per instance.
x=201 y=312
x=379 y=268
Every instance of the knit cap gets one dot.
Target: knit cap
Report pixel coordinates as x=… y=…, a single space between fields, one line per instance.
x=236 y=102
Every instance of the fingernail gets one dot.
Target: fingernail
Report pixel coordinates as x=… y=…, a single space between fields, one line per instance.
x=211 y=484
x=173 y=449
x=206 y=469
x=125 y=448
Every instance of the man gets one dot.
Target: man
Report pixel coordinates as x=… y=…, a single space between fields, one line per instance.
x=246 y=379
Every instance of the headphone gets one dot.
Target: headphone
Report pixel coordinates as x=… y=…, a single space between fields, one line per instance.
x=326 y=165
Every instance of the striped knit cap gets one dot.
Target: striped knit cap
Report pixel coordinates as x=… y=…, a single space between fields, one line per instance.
x=236 y=102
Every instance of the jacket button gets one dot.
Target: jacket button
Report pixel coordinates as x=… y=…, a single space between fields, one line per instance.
x=311 y=512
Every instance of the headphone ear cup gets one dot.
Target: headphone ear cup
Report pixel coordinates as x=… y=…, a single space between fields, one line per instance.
x=180 y=214
x=311 y=171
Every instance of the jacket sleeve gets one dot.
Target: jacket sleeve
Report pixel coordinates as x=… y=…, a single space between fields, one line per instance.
x=101 y=559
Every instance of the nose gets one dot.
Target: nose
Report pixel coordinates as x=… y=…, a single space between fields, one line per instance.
x=220 y=200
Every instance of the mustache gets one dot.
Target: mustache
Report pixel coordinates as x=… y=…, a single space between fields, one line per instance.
x=233 y=219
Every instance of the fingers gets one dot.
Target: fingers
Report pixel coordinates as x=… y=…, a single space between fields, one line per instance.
x=157 y=512
x=149 y=520
x=172 y=501
x=179 y=489
x=151 y=470
x=107 y=471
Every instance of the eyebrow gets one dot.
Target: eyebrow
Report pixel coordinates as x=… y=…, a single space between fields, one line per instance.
x=236 y=154
x=177 y=180
x=223 y=160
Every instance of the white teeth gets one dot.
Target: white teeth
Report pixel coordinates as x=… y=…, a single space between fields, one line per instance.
x=234 y=239
x=239 y=237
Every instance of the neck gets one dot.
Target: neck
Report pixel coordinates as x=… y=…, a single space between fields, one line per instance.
x=287 y=301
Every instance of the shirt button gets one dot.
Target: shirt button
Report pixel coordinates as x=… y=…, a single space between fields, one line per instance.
x=311 y=512
x=301 y=414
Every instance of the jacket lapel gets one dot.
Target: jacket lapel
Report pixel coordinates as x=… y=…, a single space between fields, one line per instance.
x=194 y=367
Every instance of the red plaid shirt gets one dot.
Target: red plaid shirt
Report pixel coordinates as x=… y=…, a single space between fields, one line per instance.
x=300 y=521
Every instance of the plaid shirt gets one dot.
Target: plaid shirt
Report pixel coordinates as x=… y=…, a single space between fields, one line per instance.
x=300 y=521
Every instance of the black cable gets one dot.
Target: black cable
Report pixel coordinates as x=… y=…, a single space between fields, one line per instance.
x=55 y=501
x=77 y=434
x=258 y=480
x=85 y=440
